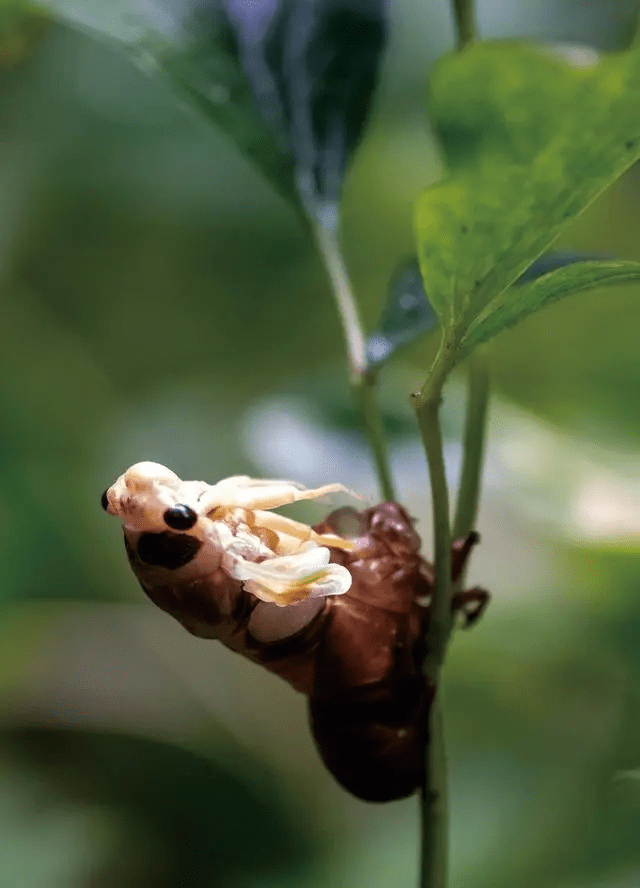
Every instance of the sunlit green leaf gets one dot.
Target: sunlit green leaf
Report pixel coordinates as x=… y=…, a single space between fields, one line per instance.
x=517 y=303
x=408 y=314
x=503 y=204
x=500 y=100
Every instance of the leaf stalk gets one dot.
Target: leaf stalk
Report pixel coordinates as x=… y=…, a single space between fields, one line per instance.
x=433 y=804
x=474 y=445
x=362 y=378
x=464 y=14
x=441 y=621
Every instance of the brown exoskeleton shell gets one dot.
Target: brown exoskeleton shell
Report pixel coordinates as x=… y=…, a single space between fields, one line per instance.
x=370 y=703
x=358 y=656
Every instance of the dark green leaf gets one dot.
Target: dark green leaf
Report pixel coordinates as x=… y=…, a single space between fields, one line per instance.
x=290 y=80
x=313 y=67
x=407 y=315
x=509 y=197
x=517 y=303
x=558 y=259
x=194 y=47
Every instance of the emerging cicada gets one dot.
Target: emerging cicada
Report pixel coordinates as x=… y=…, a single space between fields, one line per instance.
x=339 y=610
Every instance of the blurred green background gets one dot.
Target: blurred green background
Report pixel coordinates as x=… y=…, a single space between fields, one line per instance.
x=158 y=301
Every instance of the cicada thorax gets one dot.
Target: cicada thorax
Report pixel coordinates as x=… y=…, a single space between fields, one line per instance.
x=370 y=702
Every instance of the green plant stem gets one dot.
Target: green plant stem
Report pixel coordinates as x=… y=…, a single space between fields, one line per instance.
x=329 y=248
x=474 y=445
x=428 y=415
x=433 y=873
x=440 y=622
x=362 y=379
x=435 y=826
x=365 y=393
x=465 y=22
x=434 y=845
x=434 y=849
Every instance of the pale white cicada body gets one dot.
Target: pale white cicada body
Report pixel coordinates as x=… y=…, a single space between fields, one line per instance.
x=195 y=529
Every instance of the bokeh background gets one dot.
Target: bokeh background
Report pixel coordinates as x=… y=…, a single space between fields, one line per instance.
x=159 y=301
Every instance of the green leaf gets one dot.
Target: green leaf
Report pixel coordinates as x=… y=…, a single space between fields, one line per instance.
x=518 y=180
x=499 y=101
x=313 y=66
x=193 y=46
x=559 y=259
x=289 y=80
x=518 y=303
x=407 y=315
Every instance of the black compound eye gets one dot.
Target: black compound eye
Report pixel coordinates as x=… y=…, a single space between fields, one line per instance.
x=180 y=517
x=104 y=502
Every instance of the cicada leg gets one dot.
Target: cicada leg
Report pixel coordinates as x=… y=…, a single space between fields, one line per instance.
x=471 y=604
x=249 y=493
x=293 y=534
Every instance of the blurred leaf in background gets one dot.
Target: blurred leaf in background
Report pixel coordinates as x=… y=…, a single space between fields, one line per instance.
x=169 y=816
x=312 y=65
x=20 y=30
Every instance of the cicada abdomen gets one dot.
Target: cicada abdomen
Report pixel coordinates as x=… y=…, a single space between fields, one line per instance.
x=370 y=703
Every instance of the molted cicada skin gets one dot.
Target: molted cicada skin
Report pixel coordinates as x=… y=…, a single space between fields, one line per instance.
x=370 y=703
x=340 y=610
x=216 y=607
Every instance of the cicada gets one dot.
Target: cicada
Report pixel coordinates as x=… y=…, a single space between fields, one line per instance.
x=339 y=610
